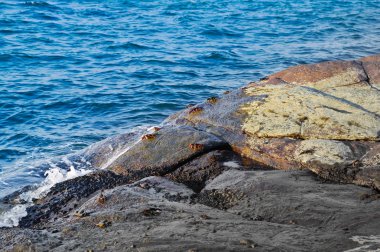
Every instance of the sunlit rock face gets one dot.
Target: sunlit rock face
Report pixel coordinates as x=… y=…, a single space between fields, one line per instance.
x=323 y=117
x=331 y=108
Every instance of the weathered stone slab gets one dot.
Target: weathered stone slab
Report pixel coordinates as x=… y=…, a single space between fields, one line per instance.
x=316 y=111
x=264 y=211
x=273 y=120
x=371 y=66
x=307 y=113
x=165 y=150
x=220 y=114
x=199 y=171
x=301 y=199
x=322 y=75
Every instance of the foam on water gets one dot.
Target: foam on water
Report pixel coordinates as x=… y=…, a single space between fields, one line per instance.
x=53 y=176
x=12 y=217
x=369 y=243
x=56 y=175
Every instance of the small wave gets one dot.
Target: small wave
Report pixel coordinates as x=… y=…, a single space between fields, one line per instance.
x=145 y=74
x=56 y=175
x=12 y=217
x=7 y=153
x=36 y=3
x=5 y=57
x=40 y=4
x=95 y=13
x=220 y=32
x=184 y=5
x=8 y=32
x=103 y=56
x=44 y=16
x=24 y=57
x=99 y=108
x=20 y=117
x=128 y=46
x=159 y=62
x=219 y=56
x=64 y=105
x=129 y=3
x=186 y=73
x=3 y=182
x=53 y=176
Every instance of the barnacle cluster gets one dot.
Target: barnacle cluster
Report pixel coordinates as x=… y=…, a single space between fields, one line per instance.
x=212 y=100
x=101 y=199
x=195 y=110
x=196 y=146
x=148 y=137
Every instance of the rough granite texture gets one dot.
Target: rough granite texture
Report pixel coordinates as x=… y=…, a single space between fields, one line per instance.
x=306 y=113
x=288 y=163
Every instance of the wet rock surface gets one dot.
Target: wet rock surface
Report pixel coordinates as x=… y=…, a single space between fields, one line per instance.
x=287 y=163
x=66 y=196
x=165 y=150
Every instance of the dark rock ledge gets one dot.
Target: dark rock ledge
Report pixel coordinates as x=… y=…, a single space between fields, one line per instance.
x=287 y=163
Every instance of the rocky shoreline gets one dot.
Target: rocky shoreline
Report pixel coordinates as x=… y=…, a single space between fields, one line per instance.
x=288 y=163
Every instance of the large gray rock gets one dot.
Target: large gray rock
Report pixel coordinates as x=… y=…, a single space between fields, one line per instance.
x=199 y=171
x=239 y=210
x=323 y=117
x=164 y=151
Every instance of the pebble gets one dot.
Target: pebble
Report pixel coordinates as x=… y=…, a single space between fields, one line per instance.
x=104 y=224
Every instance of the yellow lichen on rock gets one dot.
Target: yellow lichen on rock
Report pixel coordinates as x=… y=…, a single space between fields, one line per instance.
x=328 y=152
x=360 y=94
x=308 y=113
x=347 y=77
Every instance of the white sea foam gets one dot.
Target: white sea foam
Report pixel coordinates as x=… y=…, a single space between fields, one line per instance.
x=56 y=175
x=368 y=243
x=53 y=176
x=12 y=217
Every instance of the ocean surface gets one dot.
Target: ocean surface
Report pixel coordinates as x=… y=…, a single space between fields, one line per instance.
x=74 y=72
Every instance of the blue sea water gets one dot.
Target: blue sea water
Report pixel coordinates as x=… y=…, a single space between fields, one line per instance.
x=76 y=71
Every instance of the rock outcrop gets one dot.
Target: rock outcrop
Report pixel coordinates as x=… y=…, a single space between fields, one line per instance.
x=278 y=165
x=323 y=117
